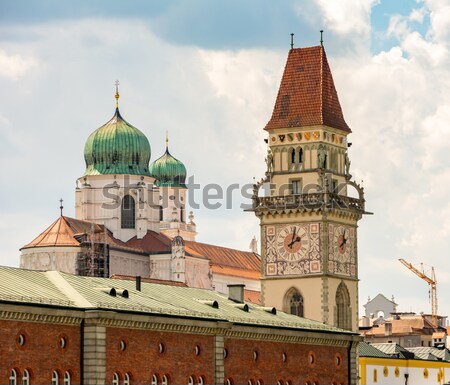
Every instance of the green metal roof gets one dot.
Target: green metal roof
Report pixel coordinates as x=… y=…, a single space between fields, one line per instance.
x=168 y=171
x=61 y=289
x=367 y=350
x=117 y=147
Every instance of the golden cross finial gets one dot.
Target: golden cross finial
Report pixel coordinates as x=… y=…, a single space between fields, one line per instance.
x=167 y=139
x=117 y=93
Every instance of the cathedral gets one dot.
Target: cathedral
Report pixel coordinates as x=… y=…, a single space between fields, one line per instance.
x=131 y=216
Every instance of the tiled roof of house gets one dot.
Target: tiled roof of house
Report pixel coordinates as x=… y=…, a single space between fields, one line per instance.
x=58 y=289
x=307 y=95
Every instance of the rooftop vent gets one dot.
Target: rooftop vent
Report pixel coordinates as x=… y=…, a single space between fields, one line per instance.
x=123 y=292
x=208 y=302
x=236 y=293
x=271 y=310
x=109 y=290
x=242 y=306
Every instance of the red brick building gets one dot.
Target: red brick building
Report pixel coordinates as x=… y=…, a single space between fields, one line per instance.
x=62 y=329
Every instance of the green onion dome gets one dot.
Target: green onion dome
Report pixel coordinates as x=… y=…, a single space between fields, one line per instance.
x=168 y=171
x=117 y=147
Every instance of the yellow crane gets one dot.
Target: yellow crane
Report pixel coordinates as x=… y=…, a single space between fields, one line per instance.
x=433 y=290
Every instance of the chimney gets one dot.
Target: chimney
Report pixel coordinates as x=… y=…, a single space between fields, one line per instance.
x=388 y=329
x=236 y=293
x=138 y=283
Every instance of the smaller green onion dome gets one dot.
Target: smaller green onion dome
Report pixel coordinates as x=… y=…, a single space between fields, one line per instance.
x=117 y=147
x=168 y=171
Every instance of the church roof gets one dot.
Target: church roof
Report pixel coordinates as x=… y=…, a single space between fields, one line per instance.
x=62 y=233
x=168 y=171
x=307 y=95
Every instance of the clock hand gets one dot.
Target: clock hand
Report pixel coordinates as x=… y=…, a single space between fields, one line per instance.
x=292 y=239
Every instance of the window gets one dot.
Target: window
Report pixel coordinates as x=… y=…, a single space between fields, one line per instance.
x=13 y=377
x=293 y=156
x=154 y=380
x=161 y=213
x=296 y=186
x=294 y=302
x=126 y=379
x=375 y=375
x=55 y=378
x=201 y=381
x=300 y=155
x=26 y=377
x=182 y=214
x=191 y=380
x=128 y=212
x=66 y=378
x=229 y=381
x=343 y=310
x=115 y=379
x=165 y=380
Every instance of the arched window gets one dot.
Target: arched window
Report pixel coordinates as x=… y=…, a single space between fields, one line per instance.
x=300 y=155
x=126 y=379
x=66 y=378
x=154 y=380
x=26 y=377
x=229 y=381
x=343 y=316
x=191 y=380
x=13 y=377
x=293 y=156
x=165 y=380
x=293 y=302
x=128 y=212
x=201 y=381
x=161 y=213
x=115 y=379
x=55 y=378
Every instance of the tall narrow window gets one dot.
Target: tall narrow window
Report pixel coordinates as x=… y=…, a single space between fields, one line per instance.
x=13 y=377
x=300 y=155
x=343 y=310
x=191 y=380
x=182 y=214
x=154 y=380
x=161 y=213
x=293 y=156
x=126 y=379
x=201 y=381
x=128 y=212
x=55 y=378
x=296 y=187
x=26 y=377
x=115 y=379
x=165 y=380
x=67 y=378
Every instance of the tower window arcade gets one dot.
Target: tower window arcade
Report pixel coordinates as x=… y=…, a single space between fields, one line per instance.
x=128 y=212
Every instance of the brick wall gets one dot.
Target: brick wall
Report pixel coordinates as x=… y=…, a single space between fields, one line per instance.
x=41 y=353
x=268 y=368
x=141 y=357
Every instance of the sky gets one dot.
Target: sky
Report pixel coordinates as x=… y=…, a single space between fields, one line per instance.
x=208 y=73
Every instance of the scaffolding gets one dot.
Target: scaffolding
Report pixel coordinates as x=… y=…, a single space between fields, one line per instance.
x=93 y=258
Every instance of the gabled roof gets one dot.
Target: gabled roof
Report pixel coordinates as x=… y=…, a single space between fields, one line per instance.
x=394 y=350
x=307 y=95
x=69 y=291
x=442 y=354
x=62 y=231
x=367 y=350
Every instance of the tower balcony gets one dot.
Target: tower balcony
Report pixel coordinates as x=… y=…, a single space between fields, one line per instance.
x=310 y=201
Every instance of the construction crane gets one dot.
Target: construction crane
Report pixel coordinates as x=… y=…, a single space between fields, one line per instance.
x=433 y=290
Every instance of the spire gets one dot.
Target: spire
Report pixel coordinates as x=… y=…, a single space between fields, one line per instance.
x=167 y=140
x=307 y=95
x=61 y=206
x=117 y=94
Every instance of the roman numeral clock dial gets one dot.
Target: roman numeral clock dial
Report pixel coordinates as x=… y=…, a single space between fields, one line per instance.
x=292 y=243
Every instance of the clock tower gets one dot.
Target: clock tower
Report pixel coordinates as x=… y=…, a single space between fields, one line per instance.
x=309 y=214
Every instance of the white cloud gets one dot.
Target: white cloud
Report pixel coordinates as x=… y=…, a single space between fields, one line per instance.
x=15 y=66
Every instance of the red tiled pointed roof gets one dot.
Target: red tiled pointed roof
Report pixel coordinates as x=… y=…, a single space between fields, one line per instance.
x=61 y=233
x=307 y=95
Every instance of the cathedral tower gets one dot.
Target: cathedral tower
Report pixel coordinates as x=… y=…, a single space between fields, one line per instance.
x=308 y=220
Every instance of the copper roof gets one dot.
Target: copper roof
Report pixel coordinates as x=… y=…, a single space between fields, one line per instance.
x=225 y=257
x=61 y=233
x=307 y=95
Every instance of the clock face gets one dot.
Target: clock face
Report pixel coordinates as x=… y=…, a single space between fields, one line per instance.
x=342 y=243
x=293 y=243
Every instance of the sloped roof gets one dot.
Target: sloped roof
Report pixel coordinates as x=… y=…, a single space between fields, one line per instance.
x=61 y=289
x=393 y=349
x=443 y=354
x=367 y=350
x=307 y=95
x=149 y=280
x=252 y=296
x=62 y=231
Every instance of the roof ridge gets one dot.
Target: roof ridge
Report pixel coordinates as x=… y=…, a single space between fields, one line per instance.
x=66 y=288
